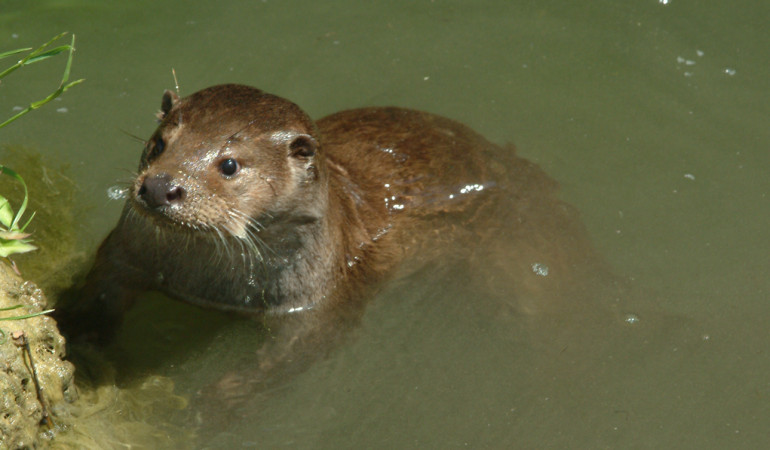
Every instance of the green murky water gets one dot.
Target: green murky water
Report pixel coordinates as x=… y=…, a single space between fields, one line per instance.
x=652 y=115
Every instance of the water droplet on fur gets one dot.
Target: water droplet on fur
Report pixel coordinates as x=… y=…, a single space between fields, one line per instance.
x=353 y=261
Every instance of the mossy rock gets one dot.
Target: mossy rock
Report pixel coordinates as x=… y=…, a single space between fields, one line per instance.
x=22 y=409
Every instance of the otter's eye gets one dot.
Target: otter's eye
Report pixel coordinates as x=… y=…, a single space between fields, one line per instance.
x=156 y=147
x=229 y=167
x=160 y=145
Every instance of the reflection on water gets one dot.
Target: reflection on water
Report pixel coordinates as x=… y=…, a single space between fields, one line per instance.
x=595 y=93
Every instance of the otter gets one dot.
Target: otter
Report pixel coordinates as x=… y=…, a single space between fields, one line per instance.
x=243 y=203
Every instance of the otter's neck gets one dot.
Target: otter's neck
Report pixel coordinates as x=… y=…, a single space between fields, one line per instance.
x=303 y=251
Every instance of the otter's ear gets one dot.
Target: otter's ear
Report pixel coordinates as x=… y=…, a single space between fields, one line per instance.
x=303 y=147
x=169 y=100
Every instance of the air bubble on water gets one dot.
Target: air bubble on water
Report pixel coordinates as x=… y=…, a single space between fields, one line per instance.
x=117 y=193
x=540 y=269
x=631 y=319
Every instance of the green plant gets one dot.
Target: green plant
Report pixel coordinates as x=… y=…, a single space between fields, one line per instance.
x=40 y=54
x=13 y=239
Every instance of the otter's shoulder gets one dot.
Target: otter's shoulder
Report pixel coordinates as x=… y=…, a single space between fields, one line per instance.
x=403 y=144
x=411 y=163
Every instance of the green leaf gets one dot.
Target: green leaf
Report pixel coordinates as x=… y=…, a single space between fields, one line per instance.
x=35 y=53
x=15 y=116
x=66 y=74
x=8 y=248
x=54 y=94
x=28 y=221
x=23 y=207
x=72 y=83
x=11 y=308
x=42 y=48
x=6 y=212
x=13 y=235
x=28 y=316
x=40 y=54
x=46 y=55
x=14 y=52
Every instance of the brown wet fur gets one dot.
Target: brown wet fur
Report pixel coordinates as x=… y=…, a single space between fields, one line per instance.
x=319 y=213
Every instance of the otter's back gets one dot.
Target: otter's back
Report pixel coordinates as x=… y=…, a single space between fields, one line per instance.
x=417 y=162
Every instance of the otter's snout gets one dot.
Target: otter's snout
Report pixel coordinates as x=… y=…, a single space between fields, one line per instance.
x=160 y=190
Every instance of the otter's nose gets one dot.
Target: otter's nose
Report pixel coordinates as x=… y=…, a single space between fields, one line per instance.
x=160 y=190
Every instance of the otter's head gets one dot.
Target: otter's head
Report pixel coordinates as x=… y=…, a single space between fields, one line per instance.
x=228 y=157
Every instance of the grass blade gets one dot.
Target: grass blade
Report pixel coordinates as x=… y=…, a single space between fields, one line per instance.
x=27 y=316
x=14 y=52
x=41 y=54
x=23 y=207
x=34 y=54
x=46 y=55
